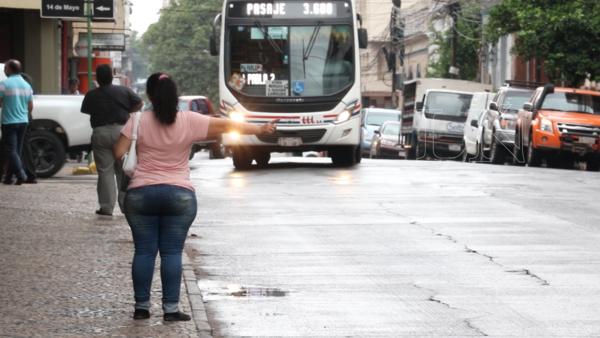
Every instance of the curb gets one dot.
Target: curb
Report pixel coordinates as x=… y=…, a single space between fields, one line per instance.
x=196 y=301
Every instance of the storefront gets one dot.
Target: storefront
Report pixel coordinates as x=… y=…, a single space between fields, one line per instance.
x=34 y=41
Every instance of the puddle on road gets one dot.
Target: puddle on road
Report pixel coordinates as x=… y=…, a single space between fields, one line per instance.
x=239 y=291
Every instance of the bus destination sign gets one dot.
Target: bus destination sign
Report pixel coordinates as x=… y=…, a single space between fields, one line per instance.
x=289 y=9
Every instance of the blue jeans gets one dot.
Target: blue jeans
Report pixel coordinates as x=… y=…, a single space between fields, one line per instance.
x=12 y=140
x=159 y=217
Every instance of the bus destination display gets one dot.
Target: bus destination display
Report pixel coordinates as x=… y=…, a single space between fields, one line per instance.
x=289 y=9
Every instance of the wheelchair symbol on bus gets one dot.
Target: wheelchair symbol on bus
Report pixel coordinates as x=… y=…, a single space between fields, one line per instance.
x=298 y=87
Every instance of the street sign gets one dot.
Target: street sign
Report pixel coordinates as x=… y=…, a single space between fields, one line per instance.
x=104 y=10
x=63 y=9
x=106 y=41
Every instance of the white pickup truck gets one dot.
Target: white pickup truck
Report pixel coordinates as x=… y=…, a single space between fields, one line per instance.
x=58 y=128
x=434 y=112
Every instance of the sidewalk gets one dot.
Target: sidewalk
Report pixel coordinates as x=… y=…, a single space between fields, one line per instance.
x=65 y=271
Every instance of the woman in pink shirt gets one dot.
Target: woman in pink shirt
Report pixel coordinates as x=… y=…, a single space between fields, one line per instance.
x=160 y=204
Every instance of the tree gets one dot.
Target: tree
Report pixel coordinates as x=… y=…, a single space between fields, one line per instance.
x=565 y=34
x=178 y=44
x=139 y=59
x=468 y=42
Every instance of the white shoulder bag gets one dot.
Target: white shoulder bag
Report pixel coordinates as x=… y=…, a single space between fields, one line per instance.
x=130 y=157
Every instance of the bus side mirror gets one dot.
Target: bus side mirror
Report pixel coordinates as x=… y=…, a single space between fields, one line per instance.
x=363 y=40
x=474 y=123
x=214 y=45
x=214 y=38
x=419 y=105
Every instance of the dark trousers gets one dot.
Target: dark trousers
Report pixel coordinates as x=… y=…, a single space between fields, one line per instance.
x=12 y=141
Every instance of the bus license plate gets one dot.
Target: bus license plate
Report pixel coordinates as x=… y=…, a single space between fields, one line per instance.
x=289 y=141
x=454 y=147
x=587 y=140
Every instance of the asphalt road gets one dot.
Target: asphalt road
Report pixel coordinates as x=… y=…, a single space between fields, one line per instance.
x=396 y=248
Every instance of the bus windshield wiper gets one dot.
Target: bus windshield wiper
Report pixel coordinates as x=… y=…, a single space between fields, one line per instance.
x=311 y=42
x=269 y=38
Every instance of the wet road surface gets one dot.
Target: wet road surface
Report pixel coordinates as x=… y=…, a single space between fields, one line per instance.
x=396 y=248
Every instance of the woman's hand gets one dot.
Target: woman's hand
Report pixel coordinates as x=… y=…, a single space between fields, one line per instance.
x=269 y=128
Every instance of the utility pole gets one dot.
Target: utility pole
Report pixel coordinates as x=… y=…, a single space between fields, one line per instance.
x=90 y=4
x=395 y=37
x=454 y=8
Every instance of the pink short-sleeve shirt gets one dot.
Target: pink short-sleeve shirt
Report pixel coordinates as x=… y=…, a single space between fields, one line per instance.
x=163 y=150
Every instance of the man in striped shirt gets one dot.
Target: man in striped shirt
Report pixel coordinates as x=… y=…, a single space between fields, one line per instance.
x=16 y=99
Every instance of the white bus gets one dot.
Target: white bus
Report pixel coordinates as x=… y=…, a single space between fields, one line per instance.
x=297 y=61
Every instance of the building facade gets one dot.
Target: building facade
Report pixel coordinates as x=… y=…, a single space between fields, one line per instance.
x=34 y=41
x=45 y=46
x=376 y=76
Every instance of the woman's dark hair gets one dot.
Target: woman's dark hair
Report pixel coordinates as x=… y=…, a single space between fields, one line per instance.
x=164 y=96
x=104 y=74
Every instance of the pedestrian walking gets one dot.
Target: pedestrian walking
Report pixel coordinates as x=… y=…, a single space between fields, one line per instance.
x=74 y=86
x=160 y=204
x=16 y=99
x=109 y=107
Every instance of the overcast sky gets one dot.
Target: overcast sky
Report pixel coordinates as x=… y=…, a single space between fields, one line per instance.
x=145 y=13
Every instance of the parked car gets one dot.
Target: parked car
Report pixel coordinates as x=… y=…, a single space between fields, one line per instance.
x=202 y=105
x=500 y=123
x=473 y=127
x=560 y=126
x=385 y=143
x=58 y=127
x=372 y=119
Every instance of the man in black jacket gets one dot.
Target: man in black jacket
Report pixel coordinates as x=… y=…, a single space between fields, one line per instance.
x=109 y=107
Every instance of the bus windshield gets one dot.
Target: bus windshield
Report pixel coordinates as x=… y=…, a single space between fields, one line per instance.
x=284 y=61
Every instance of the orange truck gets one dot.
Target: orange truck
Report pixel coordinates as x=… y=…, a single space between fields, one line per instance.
x=560 y=126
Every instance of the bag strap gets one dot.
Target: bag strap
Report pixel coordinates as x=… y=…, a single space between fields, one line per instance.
x=135 y=126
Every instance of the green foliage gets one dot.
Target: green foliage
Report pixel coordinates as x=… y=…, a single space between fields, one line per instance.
x=178 y=44
x=468 y=43
x=139 y=60
x=562 y=33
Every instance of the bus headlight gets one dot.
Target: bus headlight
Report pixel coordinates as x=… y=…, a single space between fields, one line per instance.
x=346 y=113
x=343 y=116
x=236 y=116
x=232 y=114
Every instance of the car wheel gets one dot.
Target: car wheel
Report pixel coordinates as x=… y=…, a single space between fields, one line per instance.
x=534 y=156
x=192 y=152
x=497 y=152
x=48 y=153
x=217 y=151
x=466 y=157
x=518 y=158
x=480 y=151
x=592 y=165
x=358 y=154
x=421 y=152
x=242 y=158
